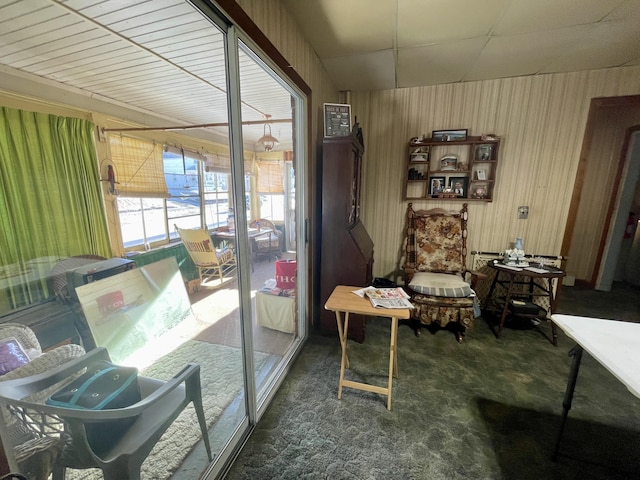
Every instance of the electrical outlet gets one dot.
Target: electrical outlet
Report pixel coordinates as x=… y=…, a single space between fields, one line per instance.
x=523 y=212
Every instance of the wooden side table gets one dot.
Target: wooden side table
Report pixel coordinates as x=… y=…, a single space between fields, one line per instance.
x=507 y=277
x=343 y=301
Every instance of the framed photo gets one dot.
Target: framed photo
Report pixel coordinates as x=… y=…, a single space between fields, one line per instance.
x=449 y=163
x=481 y=174
x=449 y=135
x=420 y=154
x=480 y=190
x=458 y=185
x=484 y=153
x=437 y=185
x=337 y=120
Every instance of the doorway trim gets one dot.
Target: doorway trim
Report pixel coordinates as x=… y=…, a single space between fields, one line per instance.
x=597 y=105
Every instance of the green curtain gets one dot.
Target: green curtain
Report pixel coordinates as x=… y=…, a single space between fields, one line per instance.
x=50 y=197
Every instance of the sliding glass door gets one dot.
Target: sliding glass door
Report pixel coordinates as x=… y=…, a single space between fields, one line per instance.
x=275 y=293
x=265 y=319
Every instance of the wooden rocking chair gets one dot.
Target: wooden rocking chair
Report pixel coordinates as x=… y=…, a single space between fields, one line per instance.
x=211 y=263
x=435 y=269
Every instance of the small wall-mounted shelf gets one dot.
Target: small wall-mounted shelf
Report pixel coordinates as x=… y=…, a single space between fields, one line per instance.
x=453 y=170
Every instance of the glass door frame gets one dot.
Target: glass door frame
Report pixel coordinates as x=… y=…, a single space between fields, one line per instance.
x=234 y=23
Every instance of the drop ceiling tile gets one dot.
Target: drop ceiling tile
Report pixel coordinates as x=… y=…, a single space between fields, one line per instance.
x=527 y=54
x=606 y=44
x=524 y=16
x=629 y=9
x=435 y=64
x=338 y=27
x=370 y=71
x=423 y=23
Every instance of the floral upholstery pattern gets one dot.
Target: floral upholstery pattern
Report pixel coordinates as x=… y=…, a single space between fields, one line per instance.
x=436 y=242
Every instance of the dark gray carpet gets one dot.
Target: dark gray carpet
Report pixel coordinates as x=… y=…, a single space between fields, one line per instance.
x=484 y=409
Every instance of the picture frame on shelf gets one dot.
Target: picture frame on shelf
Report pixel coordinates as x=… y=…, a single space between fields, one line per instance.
x=458 y=185
x=481 y=173
x=420 y=154
x=437 y=185
x=449 y=163
x=459 y=135
x=484 y=153
x=480 y=190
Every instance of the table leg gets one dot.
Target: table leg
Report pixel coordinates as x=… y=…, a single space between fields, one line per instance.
x=488 y=301
x=552 y=307
x=576 y=353
x=344 y=362
x=342 y=332
x=505 y=308
x=395 y=350
x=393 y=358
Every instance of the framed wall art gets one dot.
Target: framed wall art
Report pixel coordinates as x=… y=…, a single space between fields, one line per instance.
x=337 y=120
x=449 y=135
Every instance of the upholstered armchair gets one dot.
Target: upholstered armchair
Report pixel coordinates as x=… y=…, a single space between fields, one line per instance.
x=435 y=270
x=269 y=243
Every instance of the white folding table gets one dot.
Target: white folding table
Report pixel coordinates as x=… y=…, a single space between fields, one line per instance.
x=613 y=343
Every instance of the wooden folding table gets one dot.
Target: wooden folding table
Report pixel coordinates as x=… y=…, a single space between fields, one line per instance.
x=343 y=300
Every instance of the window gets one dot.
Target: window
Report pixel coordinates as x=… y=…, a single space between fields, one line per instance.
x=216 y=199
x=271 y=189
x=142 y=221
x=197 y=195
x=184 y=207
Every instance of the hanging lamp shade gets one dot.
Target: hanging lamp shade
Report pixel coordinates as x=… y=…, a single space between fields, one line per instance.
x=267 y=140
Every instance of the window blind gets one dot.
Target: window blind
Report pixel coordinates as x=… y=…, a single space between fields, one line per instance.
x=270 y=176
x=221 y=163
x=138 y=167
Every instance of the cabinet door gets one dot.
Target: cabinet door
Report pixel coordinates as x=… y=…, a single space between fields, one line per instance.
x=354 y=204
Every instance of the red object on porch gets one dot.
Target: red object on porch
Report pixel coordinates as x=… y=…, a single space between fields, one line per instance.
x=286 y=274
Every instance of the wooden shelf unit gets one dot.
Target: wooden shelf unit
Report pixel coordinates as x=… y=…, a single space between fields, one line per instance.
x=455 y=170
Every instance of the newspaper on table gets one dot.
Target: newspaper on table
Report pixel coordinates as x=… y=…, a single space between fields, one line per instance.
x=385 y=297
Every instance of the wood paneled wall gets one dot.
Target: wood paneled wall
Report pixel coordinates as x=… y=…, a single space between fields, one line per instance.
x=541 y=120
x=276 y=23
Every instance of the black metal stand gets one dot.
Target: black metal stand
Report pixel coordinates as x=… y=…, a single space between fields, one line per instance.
x=576 y=353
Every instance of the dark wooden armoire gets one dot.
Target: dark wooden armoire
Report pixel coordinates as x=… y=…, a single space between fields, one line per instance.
x=346 y=249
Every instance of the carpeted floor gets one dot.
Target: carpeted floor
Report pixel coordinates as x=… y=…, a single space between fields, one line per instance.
x=483 y=409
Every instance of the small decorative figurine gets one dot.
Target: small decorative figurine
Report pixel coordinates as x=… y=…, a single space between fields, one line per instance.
x=515 y=256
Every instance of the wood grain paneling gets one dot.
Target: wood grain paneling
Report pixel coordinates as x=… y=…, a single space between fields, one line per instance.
x=541 y=120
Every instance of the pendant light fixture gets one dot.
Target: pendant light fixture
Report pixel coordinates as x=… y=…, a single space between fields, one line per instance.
x=267 y=140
